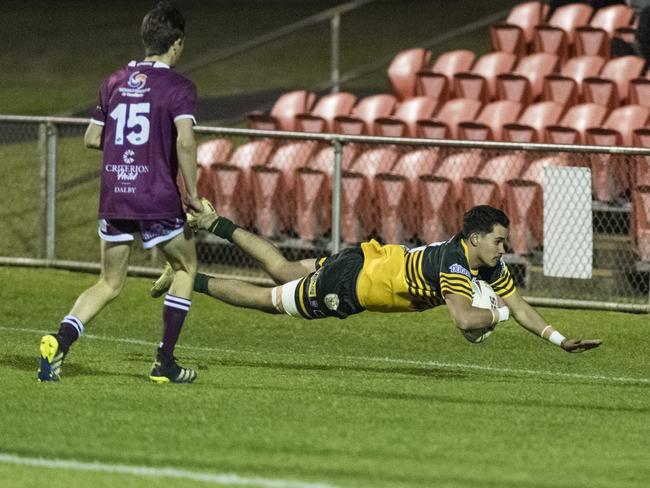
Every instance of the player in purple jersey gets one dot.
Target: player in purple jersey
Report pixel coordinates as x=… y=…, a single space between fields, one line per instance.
x=144 y=125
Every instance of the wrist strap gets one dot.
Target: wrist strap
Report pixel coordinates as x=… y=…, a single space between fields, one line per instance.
x=556 y=338
x=504 y=313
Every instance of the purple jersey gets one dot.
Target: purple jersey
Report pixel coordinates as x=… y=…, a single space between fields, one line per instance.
x=138 y=106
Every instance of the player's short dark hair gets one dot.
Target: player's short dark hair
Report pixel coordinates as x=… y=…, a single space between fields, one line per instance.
x=161 y=27
x=482 y=219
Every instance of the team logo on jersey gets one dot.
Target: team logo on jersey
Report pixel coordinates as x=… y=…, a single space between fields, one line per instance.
x=137 y=80
x=332 y=301
x=457 y=268
x=127 y=157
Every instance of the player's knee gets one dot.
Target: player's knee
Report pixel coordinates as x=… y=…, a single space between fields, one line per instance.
x=112 y=288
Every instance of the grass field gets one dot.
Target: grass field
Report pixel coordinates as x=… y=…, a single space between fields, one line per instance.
x=373 y=401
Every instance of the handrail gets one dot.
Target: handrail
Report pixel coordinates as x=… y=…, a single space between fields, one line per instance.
x=344 y=139
x=272 y=36
x=381 y=63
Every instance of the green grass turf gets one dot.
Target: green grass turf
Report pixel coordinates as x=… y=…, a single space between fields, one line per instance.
x=374 y=401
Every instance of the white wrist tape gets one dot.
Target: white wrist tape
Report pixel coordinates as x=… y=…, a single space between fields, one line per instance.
x=504 y=313
x=556 y=338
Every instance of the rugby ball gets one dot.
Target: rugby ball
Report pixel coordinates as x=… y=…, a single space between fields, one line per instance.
x=483 y=296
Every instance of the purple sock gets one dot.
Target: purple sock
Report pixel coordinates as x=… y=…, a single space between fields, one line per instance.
x=174 y=313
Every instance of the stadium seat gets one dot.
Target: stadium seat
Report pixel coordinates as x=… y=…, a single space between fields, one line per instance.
x=565 y=87
x=524 y=84
x=640 y=221
x=445 y=124
x=210 y=152
x=439 y=194
x=313 y=190
x=321 y=118
x=594 y=38
x=639 y=91
x=612 y=174
x=488 y=126
x=284 y=112
x=231 y=181
x=640 y=175
x=557 y=36
x=626 y=34
x=516 y=33
x=480 y=82
x=532 y=122
x=358 y=214
x=572 y=127
x=397 y=201
x=436 y=82
x=363 y=116
x=273 y=187
x=610 y=88
x=403 y=70
x=404 y=121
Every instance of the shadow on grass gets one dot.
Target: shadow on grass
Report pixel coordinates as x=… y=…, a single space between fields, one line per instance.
x=410 y=371
x=29 y=364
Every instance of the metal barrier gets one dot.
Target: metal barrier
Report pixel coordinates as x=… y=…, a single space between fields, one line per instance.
x=580 y=215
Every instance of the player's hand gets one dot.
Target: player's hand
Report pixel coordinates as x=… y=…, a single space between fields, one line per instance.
x=194 y=204
x=578 y=345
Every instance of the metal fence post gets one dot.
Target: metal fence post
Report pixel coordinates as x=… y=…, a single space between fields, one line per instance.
x=336 y=198
x=335 y=76
x=42 y=188
x=50 y=220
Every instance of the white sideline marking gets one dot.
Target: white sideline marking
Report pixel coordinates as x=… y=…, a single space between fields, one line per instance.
x=435 y=364
x=211 y=478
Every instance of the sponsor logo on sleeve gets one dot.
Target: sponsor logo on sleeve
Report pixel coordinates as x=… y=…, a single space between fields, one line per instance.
x=457 y=268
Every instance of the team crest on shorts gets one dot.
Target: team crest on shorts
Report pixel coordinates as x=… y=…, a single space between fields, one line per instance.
x=332 y=301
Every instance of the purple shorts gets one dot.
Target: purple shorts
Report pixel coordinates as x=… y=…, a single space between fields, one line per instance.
x=152 y=232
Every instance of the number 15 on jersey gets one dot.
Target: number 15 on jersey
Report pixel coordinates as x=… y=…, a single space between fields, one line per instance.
x=134 y=117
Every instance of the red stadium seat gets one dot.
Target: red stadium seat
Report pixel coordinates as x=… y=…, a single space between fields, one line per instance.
x=231 y=182
x=641 y=172
x=610 y=88
x=524 y=84
x=533 y=122
x=612 y=174
x=437 y=81
x=557 y=36
x=488 y=125
x=445 y=124
x=574 y=124
x=397 y=200
x=640 y=221
x=211 y=152
x=313 y=190
x=626 y=34
x=404 y=121
x=566 y=87
x=480 y=82
x=403 y=70
x=516 y=33
x=363 y=116
x=639 y=91
x=358 y=214
x=321 y=118
x=273 y=187
x=594 y=38
x=284 y=111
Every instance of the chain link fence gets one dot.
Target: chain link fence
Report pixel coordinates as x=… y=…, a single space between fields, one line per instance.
x=580 y=215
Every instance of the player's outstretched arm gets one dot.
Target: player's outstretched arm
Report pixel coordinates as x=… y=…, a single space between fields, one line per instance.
x=531 y=320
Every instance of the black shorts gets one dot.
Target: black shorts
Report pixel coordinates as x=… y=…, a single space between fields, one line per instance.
x=331 y=290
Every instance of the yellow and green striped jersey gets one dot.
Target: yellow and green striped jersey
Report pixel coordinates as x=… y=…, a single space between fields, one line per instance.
x=395 y=278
